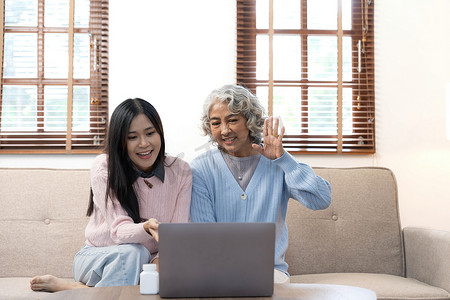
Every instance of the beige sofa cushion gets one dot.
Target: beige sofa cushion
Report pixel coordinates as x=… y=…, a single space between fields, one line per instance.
x=43 y=234
x=359 y=232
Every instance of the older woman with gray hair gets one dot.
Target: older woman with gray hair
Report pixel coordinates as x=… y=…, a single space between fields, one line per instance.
x=249 y=177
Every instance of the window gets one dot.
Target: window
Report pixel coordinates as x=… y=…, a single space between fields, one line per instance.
x=312 y=63
x=54 y=76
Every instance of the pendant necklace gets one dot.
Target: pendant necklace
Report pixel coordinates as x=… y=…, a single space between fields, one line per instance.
x=240 y=172
x=237 y=166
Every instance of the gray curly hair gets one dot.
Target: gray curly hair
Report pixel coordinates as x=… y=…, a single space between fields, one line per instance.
x=240 y=101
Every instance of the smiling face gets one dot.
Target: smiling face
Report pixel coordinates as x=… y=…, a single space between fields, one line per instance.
x=230 y=130
x=143 y=143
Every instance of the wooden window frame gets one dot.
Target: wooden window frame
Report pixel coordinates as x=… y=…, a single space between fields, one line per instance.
x=68 y=141
x=362 y=138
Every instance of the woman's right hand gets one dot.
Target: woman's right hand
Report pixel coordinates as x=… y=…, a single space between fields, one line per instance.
x=151 y=226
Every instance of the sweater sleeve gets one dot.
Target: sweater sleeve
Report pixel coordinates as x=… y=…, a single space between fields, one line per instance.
x=121 y=227
x=303 y=185
x=202 y=203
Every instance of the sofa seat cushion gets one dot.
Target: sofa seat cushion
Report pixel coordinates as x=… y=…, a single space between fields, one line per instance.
x=387 y=287
x=18 y=288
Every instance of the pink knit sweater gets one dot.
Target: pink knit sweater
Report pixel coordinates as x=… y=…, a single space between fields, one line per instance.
x=168 y=202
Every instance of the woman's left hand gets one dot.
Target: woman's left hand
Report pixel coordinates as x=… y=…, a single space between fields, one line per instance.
x=151 y=226
x=273 y=146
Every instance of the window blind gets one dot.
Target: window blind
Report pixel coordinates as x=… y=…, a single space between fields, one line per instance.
x=312 y=63
x=54 y=76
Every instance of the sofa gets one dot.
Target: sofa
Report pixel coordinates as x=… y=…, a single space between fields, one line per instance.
x=42 y=225
x=357 y=241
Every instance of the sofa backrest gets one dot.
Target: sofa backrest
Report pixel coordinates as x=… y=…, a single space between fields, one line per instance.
x=42 y=220
x=359 y=232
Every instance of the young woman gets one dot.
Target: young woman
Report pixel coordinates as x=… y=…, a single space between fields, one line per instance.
x=250 y=177
x=134 y=187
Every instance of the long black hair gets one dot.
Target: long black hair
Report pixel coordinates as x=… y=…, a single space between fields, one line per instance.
x=121 y=172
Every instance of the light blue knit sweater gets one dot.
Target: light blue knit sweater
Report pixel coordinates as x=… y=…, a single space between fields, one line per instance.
x=217 y=196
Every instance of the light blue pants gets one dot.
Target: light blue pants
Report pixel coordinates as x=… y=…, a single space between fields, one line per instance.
x=110 y=266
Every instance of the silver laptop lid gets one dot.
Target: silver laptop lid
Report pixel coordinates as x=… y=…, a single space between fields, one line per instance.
x=216 y=259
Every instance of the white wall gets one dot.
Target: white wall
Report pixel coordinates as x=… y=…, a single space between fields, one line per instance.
x=413 y=70
x=187 y=48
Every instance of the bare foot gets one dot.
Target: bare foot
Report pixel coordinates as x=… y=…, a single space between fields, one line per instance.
x=50 y=283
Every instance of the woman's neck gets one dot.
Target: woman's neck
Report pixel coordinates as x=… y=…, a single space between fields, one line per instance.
x=249 y=152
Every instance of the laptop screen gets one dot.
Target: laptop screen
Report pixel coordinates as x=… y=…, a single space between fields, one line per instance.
x=216 y=259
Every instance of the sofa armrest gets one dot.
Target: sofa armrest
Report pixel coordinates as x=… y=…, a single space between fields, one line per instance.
x=427 y=256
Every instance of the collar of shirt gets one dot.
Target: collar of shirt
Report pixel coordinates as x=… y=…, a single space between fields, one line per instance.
x=158 y=172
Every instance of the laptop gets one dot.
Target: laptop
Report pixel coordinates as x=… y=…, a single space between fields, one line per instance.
x=216 y=259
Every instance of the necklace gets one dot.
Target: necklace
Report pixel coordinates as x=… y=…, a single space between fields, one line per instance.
x=236 y=166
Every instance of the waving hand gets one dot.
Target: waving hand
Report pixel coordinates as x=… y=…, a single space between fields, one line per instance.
x=272 y=141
